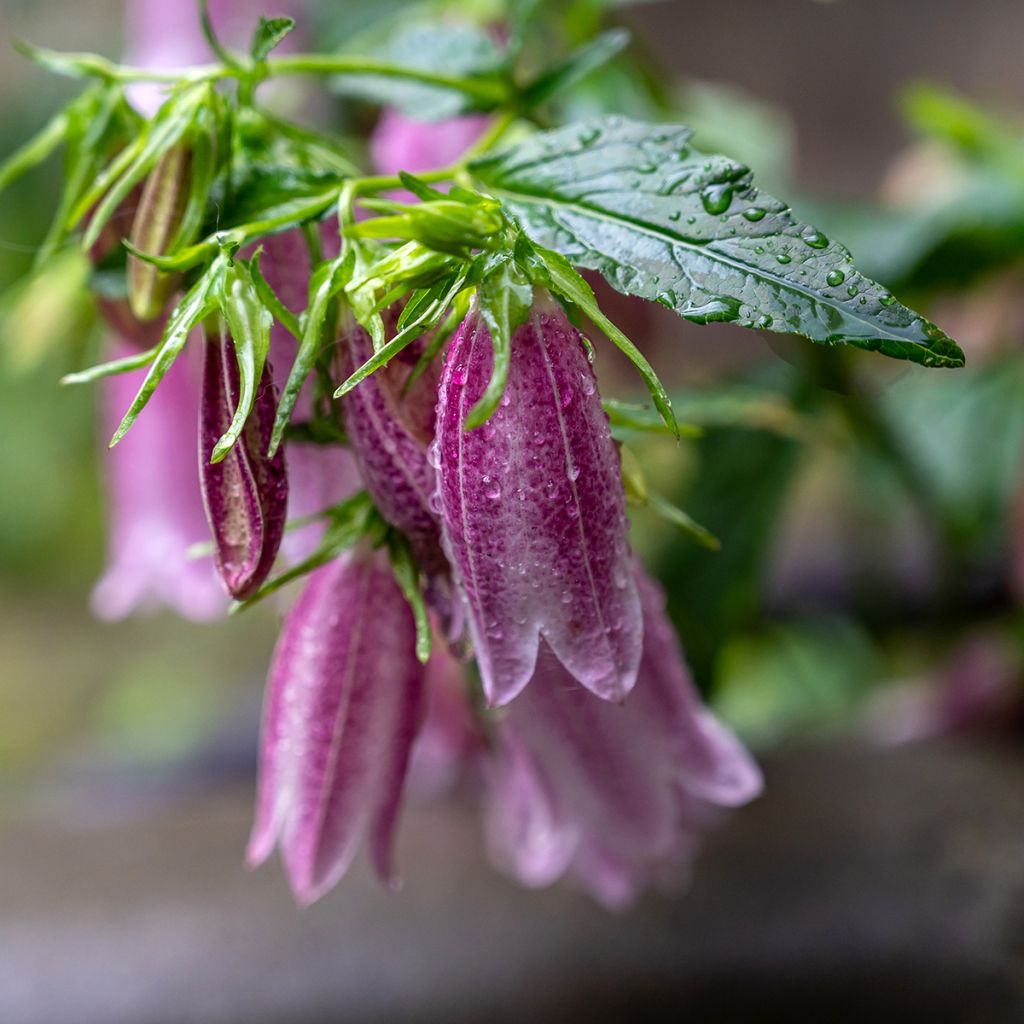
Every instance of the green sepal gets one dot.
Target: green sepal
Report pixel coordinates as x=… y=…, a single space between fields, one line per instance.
x=248 y=323
x=270 y=33
x=444 y=293
x=504 y=297
x=282 y=314
x=136 y=361
x=197 y=304
x=348 y=523
x=327 y=281
x=557 y=274
x=407 y=576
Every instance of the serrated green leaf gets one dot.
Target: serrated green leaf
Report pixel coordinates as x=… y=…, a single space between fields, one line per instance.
x=504 y=298
x=665 y=222
x=407 y=574
x=555 y=272
x=197 y=304
x=269 y=33
x=248 y=322
x=576 y=65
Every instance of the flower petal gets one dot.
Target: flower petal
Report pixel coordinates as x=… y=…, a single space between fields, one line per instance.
x=344 y=702
x=533 y=513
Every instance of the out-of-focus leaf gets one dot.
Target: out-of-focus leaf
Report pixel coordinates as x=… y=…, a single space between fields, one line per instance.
x=451 y=48
x=795 y=679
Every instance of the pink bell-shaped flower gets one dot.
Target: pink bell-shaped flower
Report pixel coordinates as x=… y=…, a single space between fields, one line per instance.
x=343 y=706
x=612 y=795
x=533 y=513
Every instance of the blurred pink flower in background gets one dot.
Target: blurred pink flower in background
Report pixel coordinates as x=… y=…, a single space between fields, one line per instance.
x=612 y=795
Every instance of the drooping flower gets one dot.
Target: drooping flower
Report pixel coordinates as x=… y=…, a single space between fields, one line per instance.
x=343 y=705
x=155 y=511
x=399 y=143
x=451 y=740
x=533 y=513
x=319 y=475
x=390 y=429
x=246 y=493
x=611 y=794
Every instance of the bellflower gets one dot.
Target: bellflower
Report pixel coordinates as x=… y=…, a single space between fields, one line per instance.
x=533 y=513
x=342 y=709
x=611 y=794
x=155 y=509
x=246 y=493
x=390 y=430
x=318 y=475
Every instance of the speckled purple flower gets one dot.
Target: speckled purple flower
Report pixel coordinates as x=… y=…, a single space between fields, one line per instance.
x=533 y=513
x=343 y=705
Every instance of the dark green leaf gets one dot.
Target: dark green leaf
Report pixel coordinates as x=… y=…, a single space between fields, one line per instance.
x=662 y=221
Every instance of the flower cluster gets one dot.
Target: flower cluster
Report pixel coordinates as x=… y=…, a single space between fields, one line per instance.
x=500 y=548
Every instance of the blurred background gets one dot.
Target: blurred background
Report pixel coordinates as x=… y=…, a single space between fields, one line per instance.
x=861 y=626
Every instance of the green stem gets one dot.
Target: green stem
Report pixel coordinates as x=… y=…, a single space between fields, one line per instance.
x=486 y=91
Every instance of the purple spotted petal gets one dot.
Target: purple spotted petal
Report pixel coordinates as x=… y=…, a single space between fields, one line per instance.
x=389 y=432
x=533 y=514
x=612 y=794
x=343 y=705
x=154 y=506
x=246 y=494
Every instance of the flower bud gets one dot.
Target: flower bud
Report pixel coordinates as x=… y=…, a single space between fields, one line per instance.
x=161 y=208
x=246 y=493
x=343 y=705
x=390 y=431
x=533 y=513
x=613 y=795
